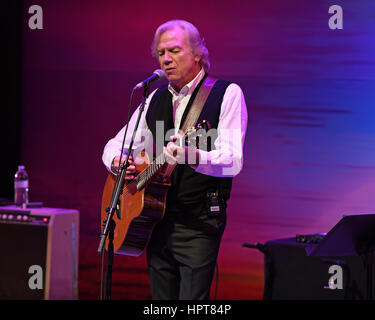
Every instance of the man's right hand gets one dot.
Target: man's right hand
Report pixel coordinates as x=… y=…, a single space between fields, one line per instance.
x=130 y=171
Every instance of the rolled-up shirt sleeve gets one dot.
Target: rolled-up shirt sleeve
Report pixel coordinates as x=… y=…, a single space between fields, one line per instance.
x=226 y=160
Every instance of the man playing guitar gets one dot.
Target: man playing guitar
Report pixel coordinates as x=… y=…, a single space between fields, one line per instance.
x=183 y=248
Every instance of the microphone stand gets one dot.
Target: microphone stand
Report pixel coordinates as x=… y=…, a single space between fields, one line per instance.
x=109 y=225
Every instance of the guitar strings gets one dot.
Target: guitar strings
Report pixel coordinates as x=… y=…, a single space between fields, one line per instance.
x=146 y=174
x=151 y=170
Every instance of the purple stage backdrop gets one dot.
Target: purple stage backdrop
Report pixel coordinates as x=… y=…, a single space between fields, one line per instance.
x=310 y=92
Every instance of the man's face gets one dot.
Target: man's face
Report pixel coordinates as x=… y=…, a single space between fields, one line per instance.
x=176 y=58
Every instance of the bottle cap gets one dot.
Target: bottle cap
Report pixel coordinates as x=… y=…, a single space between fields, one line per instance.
x=21 y=167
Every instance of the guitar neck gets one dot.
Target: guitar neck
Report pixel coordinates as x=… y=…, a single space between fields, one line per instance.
x=146 y=175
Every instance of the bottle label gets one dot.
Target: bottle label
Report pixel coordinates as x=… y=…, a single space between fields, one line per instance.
x=21 y=184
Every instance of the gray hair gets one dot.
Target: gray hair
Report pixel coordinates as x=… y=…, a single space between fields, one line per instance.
x=197 y=44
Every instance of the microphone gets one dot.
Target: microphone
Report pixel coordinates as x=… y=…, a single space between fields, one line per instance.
x=157 y=74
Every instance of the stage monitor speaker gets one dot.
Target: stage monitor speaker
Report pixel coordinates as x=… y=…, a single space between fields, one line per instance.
x=39 y=253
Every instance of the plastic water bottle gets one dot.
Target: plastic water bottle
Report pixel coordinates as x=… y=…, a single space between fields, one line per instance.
x=21 y=187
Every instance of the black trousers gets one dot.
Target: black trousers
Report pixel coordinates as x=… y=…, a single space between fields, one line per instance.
x=182 y=254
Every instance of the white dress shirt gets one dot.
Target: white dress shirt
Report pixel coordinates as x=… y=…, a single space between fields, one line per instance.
x=227 y=158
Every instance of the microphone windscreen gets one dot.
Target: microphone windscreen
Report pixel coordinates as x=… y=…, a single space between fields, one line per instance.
x=160 y=73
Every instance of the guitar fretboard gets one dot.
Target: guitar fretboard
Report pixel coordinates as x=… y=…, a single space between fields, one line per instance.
x=159 y=161
x=147 y=174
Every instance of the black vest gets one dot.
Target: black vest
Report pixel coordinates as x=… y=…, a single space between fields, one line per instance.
x=189 y=188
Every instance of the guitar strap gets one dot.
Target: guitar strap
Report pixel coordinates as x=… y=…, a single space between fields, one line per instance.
x=198 y=103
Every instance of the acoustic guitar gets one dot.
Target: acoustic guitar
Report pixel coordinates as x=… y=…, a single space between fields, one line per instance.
x=143 y=200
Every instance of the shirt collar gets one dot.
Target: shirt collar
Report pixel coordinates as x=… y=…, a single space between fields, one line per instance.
x=188 y=88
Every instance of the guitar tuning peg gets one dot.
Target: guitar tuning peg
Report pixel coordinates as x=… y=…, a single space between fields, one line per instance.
x=207 y=125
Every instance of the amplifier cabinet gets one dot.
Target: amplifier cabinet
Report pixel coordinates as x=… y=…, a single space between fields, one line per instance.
x=38 y=253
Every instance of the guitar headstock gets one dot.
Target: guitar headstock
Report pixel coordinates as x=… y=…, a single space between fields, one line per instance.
x=198 y=134
x=205 y=125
